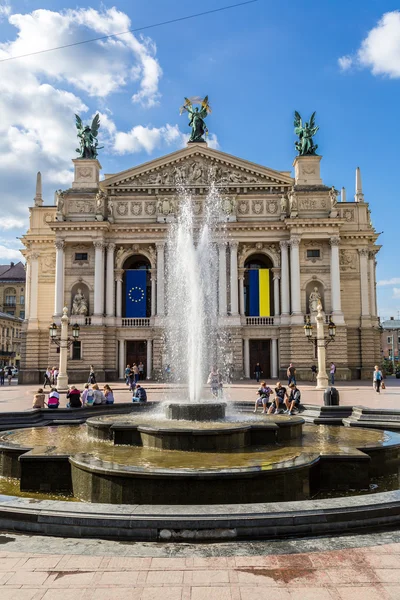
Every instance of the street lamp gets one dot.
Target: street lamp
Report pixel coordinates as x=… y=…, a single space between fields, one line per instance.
x=320 y=342
x=63 y=342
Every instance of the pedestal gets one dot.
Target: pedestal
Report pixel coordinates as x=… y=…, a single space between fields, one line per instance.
x=307 y=170
x=86 y=175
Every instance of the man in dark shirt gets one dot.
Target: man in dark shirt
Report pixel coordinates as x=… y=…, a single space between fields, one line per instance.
x=279 y=400
x=291 y=374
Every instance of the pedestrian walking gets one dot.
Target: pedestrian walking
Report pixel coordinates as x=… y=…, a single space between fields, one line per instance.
x=47 y=378
x=141 y=371
x=92 y=375
x=313 y=372
x=2 y=375
x=214 y=381
x=127 y=375
x=377 y=379
x=332 y=372
x=55 y=375
x=9 y=375
x=291 y=374
x=135 y=370
x=258 y=372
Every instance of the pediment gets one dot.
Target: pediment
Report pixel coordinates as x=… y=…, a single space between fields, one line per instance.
x=196 y=166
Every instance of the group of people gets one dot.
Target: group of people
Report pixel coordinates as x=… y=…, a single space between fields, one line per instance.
x=6 y=371
x=282 y=402
x=133 y=374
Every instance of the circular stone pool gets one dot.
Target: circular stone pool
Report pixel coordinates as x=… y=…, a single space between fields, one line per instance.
x=88 y=462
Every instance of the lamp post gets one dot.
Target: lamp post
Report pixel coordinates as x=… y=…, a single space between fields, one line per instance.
x=63 y=342
x=320 y=342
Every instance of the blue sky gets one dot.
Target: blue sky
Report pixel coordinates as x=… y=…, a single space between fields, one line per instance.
x=258 y=64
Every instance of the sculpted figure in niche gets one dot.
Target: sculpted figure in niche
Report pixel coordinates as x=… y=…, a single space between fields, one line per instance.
x=333 y=197
x=79 y=304
x=315 y=300
x=101 y=197
x=292 y=200
x=283 y=203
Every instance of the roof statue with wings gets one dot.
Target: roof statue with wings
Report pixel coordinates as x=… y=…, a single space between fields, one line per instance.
x=305 y=145
x=87 y=135
x=196 y=117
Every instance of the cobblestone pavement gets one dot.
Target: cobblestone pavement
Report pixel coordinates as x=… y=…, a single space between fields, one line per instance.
x=19 y=397
x=365 y=567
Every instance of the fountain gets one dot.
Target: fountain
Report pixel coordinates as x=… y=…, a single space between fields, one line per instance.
x=193 y=450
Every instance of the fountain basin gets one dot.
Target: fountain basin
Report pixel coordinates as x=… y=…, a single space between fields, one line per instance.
x=195 y=411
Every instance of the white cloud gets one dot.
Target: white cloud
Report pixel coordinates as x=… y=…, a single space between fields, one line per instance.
x=10 y=254
x=11 y=223
x=147 y=139
x=393 y=281
x=212 y=141
x=345 y=62
x=98 y=68
x=396 y=293
x=5 y=9
x=380 y=50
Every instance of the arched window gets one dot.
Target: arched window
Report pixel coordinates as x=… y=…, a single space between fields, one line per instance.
x=258 y=286
x=134 y=266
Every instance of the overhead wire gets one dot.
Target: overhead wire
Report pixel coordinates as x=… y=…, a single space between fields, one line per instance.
x=136 y=30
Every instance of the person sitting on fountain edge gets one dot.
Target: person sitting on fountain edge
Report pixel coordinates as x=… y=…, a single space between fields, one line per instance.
x=293 y=402
x=263 y=393
x=139 y=395
x=279 y=401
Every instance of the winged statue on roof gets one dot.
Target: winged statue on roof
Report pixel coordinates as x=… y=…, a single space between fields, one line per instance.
x=87 y=134
x=196 y=117
x=305 y=145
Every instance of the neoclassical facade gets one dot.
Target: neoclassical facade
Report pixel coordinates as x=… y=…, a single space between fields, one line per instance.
x=79 y=252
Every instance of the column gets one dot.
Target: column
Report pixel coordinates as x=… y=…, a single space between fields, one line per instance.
x=246 y=358
x=277 y=277
x=222 y=279
x=322 y=378
x=27 y=287
x=335 y=276
x=98 y=278
x=234 y=278
x=118 y=278
x=160 y=278
x=121 y=359
x=59 y=292
x=363 y=252
x=110 y=281
x=149 y=366
x=285 y=278
x=62 y=379
x=295 y=274
x=34 y=286
x=372 y=288
x=241 y=293
x=153 y=293
x=274 y=358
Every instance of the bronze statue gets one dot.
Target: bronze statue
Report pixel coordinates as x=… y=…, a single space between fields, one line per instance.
x=305 y=145
x=87 y=135
x=196 y=117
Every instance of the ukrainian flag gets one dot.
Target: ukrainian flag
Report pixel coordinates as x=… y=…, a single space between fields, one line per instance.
x=259 y=303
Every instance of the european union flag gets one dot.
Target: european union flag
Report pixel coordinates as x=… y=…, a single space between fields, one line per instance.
x=135 y=299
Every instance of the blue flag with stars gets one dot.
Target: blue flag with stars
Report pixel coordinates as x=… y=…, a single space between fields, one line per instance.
x=135 y=300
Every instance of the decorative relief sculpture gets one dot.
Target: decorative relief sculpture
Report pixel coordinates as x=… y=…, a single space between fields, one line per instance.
x=293 y=202
x=243 y=207
x=347 y=260
x=166 y=206
x=272 y=207
x=122 y=209
x=82 y=206
x=305 y=145
x=60 y=201
x=79 y=304
x=120 y=252
x=315 y=300
x=84 y=173
x=48 y=264
x=284 y=204
x=136 y=208
x=150 y=208
x=257 y=207
x=101 y=201
x=229 y=206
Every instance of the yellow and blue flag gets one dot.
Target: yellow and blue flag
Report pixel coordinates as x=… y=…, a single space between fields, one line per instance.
x=135 y=299
x=259 y=294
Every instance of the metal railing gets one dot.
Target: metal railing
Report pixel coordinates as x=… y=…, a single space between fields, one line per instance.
x=136 y=322
x=259 y=320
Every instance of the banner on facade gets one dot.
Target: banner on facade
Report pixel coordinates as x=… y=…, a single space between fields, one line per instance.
x=135 y=299
x=259 y=302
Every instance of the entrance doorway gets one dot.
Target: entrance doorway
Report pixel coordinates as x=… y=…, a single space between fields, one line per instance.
x=136 y=352
x=260 y=351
